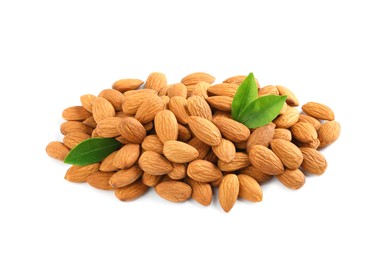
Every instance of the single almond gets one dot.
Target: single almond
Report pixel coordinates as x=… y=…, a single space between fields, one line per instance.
x=288 y=119
x=124 y=85
x=102 y=109
x=132 y=93
x=174 y=191
x=100 y=180
x=115 y=97
x=151 y=180
x=72 y=139
x=164 y=90
x=223 y=89
x=232 y=130
x=261 y=136
x=75 y=126
x=134 y=99
x=203 y=171
x=90 y=122
x=313 y=161
x=249 y=188
x=178 y=89
x=108 y=127
x=291 y=98
x=80 y=173
x=156 y=81
x=75 y=113
x=178 y=105
x=87 y=101
x=200 y=89
x=309 y=119
x=281 y=133
x=268 y=90
x=319 y=111
x=288 y=153
x=205 y=130
x=225 y=151
x=328 y=133
x=228 y=191
x=223 y=103
x=178 y=171
x=127 y=156
x=149 y=108
x=132 y=191
x=293 y=179
x=240 y=161
x=256 y=174
x=166 y=126
x=238 y=80
x=183 y=133
x=152 y=143
x=179 y=152
x=107 y=163
x=57 y=150
x=132 y=130
x=201 y=191
x=125 y=177
x=313 y=144
x=265 y=160
x=154 y=163
x=304 y=132
x=197 y=77
x=201 y=147
x=197 y=106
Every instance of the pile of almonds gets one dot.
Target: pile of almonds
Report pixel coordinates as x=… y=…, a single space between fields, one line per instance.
x=180 y=139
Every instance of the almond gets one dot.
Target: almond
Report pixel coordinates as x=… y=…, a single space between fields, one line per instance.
x=122 y=139
x=80 y=173
x=291 y=98
x=154 y=163
x=107 y=163
x=313 y=161
x=132 y=130
x=225 y=151
x=174 y=191
x=125 y=177
x=304 y=132
x=102 y=109
x=265 y=160
x=288 y=119
x=203 y=171
x=328 y=133
x=166 y=126
x=178 y=171
x=100 y=180
x=256 y=174
x=249 y=189
x=314 y=144
x=152 y=143
x=127 y=156
x=319 y=111
x=149 y=108
x=205 y=130
x=72 y=139
x=179 y=152
x=151 y=180
x=178 y=105
x=223 y=103
x=228 y=191
x=115 y=97
x=240 y=161
x=241 y=145
x=163 y=91
x=108 y=127
x=261 y=136
x=223 y=89
x=87 y=101
x=201 y=147
x=131 y=192
x=201 y=191
x=183 y=133
x=148 y=126
x=197 y=77
x=232 y=130
x=156 y=81
x=268 y=90
x=124 y=85
x=75 y=113
x=238 y=80
x=197 y=106
x=177 y=90
x=133 y=100
x=293 y=179
x=90 y=122
x=281 y=133
x=288 y=153
x=132 y=93
x=211 y=157
x=57 y=150
x=200 y=89
x=309 y=119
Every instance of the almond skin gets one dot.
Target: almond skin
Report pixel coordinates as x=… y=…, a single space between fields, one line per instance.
x=90 y=122
x=197 y=77
x=72 y=139
x=201 y=147
x=304 y=132
x=223 y=89
x=75 y=113
x=249 y=188
x=75 y=126
x=281 y=133
x=87 y=101
x=201 y=191
x=131 y=192
x=313 y=161
x=261 y=136
x=288 y=119
x=183 y=133
x=288 y=153
x=174 y=191
x=265 y=160
x=268 y=90
x=328 y=133
x=57 y=150
x=179 y=152
x=318 y=111
x=197 y=106
x=151 y=180
x=309 y=119
x=124 y=85
x=178 y=171
x=125 y=177
x=107 y=163
x=134 y=99
x=178 y=89
x=154 y=163
x=228 y=191
x=152 y=143
x=314 y=144
x=80 y=173
x=240 y=161
x=205 y=130
x=203 y=171
x=293 y=179
x=156 y=81
x=291 y=98
x=166 y=126
x=100 y=180
x=108 y=127
x=127 y=156
x=223 y=103
x=225 y=151
x=115 y=97
x=256 y=174
x=132 y=130
x=102 y=109
x=149 y=108
x=178 y=105
x=232 y=130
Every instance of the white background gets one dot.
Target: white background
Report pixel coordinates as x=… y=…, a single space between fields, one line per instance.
x=52 y=52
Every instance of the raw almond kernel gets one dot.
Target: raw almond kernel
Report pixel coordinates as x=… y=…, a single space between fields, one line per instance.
x=132 y=130
x=163 y=91
x=304 y=132
x=178 y=105
x=211 y=157
x=133 y=100
x=239 y=161
x=108 y=127
x=75 y=113
x=183 y=133
x=133 y=93
x=152 y=143
x=156 y=81
x=57 y=150
x=281 y=133
x=268 y=90
x=174 y=191
x=261 y=136
x=225 y=151
x=223 y=103
x=293 y=179
x=131 y=192
x=313 y=161
x=223 y=89
x=102 y=109
x=201 y=147
x=291 y=98
x=107 y=163
x=87 y=101
x=177 y=90
x=166 y=126
x=154 y=163
x=80 y=173
x=125 y=177
x=202 y=192
x=203 y=171
x=200 y=89
x=72 y=139
x=288 y=153
x=319 y=111
x=179 y=152
x=115 y=97
x=151 y=180
x=249 y=188
x=238 y=80
x=309 y=119
x=288 y=119
x=197 y=106
x=232 y=130
x=314 y=144
x=228 y=191
x=328 y=133
x=126 y=156
x=100 y=180
x=124 y=85
x=205 y=130
x=197 y=77
x=178 y=171
x=90 y=122
x=256 y=174
x=149 y=108
x=265 y=160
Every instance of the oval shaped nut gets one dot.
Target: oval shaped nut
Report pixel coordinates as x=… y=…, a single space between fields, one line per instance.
x=178 y=89
x=183 y=133
x=281 y=133
x=268 y=90
x=197 y=106
x=149 y=108
x=240 y=161
x=156 y=81
x=228 y=191
x=261 y=136
x=291 y=98
x=314 y=144
x=75 y=126
x=179 y=152
x=132 y=130
x=154 y=163
x=115 y=97
x=178 y=171
x=166 y=126
x=90 y=122
x=100 y=180
x=87 y=101
x=309 y=119
x=151 y=180
x=132 y=191
x=329 y=133
x=249 y=188
x=205 y=130
x=174 y=191
x=75 y=113
x=80 y=173
x=152 y=143
x=265 y=160
x=223 y=89
x=125 y=177
x=304 y=132
x=232 y=130
x=223 y=103
x=195 y=78
x=238 y=80
x=201 y=191
x=127 y=156
x=178 y=105
x=102 y=109
x=108 y=127
x=57 y=150
x=107 y=163
x=313 y=161
x=288 y=153
x=288 y=118
x=293 y=179
x=203 y=171
x=256 y=174
x=124 y=85
x=225 y=151
x=201 y=147
x=133 y=100
x=72 y=139
x=132 y=93
x=319 y=111
x=200 y=89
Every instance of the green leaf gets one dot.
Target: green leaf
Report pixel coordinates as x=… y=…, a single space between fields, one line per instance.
x=246 y=93
x=91 y=151
x=262 y=111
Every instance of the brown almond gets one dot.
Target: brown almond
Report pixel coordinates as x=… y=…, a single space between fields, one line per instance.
x=100 y=180
x=151 y=180
x=314 y=144
x=132 y=191
x=174 y=191
x=87 y=101
x=309 y=119
x=57 y=150
x=261 y=136
x=238 y=80
x=72 y=139
x=232 y=130
x=179 y=152
x=287 y=152
x=223 y=103
x=203 y=171
x=228 y=191
x=205 y=130
x=249 y=188
x=156 y=81
x=125 y=177
x=90 y=122
x=115 y=97
x=256 y=174
x=304 y=132
x=75 y=126
x=288 y=119
x=149 y=108
x=124 y=85
x=148 y=126
x=164 y=90
x=126 y=156
x=200 y=89
x=225 y=151
x=265 y=160
x=75 y=113
x=178 y=105
x=319 y=111
x=201 y=191
x=223 y=89
x=134 y=99
x=178 y=171
x=281 y=133
x=313 y=161
x=240 y=161
x=132 y=130
x=211 y=157
x=241 y=145
x=152 y=143
x=268 y=90
x=197 y=106
x=107 y=163
x=166 y=126
x=329 y=133
x=80 y=173
x=291 y=98
x=293 y=179
x=102 y=109
x=197 y=77
x=154 y=163
x=108 y=127
x=183 y=133
x=178 y=89
x=201 y=147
